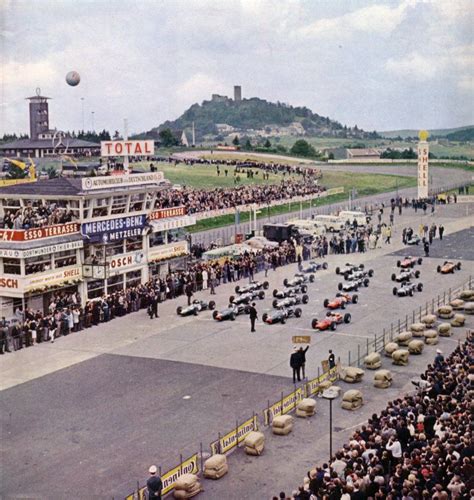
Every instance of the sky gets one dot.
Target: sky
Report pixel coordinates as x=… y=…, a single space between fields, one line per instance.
x=382 y=65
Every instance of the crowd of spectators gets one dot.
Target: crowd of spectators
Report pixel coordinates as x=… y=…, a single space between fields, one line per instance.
x=201 y=200
x=38 y=215
x=419 y=447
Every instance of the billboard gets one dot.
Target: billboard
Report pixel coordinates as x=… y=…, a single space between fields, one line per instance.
x=127 y=148
x=117 y=229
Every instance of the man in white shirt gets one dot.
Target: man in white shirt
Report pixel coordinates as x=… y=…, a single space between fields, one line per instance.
x=395 y=448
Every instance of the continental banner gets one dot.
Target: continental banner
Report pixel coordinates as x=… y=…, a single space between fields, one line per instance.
x=188 y=466
x=283 y=406
x=233 y=438
x=312 y=387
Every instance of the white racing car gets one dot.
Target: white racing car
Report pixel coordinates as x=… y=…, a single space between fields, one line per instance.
x=406 y=275
x=407 y=288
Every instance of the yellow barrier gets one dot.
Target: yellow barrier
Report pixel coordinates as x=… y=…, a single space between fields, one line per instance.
x=12 y=182
x=188 y=466
x=283 y=406
x=232 y=439
x=312 y=387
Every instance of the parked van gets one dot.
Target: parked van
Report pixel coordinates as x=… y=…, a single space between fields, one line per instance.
x=308 y=226
x=351 y=215
x=331 y=223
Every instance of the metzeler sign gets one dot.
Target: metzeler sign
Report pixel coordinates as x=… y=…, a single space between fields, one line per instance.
x=112 y=181
x=127 y=148
x=39 y=232
x=114 y=229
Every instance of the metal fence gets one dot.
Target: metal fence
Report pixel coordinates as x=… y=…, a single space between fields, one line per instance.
x=356 y=358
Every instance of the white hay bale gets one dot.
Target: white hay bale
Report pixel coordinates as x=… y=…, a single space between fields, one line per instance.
x=373 y=361
x=400 y=357
x=403 y=338
x=383 y=379
x=416 y=346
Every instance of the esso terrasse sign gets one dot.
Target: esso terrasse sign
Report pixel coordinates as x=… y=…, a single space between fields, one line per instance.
x=127 y=148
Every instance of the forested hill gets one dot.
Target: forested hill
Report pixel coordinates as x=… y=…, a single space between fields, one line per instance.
x=464 y=135
x=224 y=115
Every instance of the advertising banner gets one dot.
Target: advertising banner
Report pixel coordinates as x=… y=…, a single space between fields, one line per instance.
x=188 y=466
x=33 y=252
x=283 y=406
x=111 y=181
x=39 y=232
x=165 y=213
x=163 y=252
x=114 y=229
x=173 y=223
x=127 y=148
x=234 y=437
x=301 y=339
x=313 y=386
x=121 y=262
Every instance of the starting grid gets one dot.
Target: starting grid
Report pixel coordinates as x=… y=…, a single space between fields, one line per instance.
x=231 y=440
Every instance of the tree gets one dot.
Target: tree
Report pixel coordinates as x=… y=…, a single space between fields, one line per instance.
x=248 y=144
x=51 y=171
x=331 y=156
x=236 y=141
x=267 y=144
x=302 y=148
x=167 y=138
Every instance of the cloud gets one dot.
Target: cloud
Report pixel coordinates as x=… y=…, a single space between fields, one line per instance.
x=378 y=19
x=27 y=74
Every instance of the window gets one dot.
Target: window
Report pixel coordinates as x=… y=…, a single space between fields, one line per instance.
x=157 y=238
x=95 y=289
x=176 y=235
x=66 y=258
x=136 y=202
x=115 y=283
x=11 y=266
x=101 y=207
x=38 y=264
x=119 y=204
x=114 y=249
x=133 y=244
x=134 y=278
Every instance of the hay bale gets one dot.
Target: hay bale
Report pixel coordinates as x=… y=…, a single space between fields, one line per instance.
x=431 y=337
x=352 y=400
x=215 y=467
x=373 y=361
x=382 y=379
x=403 y=338
x=390 y=348
x=467 y=295
x=306 y=408
x=469 y=307
x=400 y=357
x=444 y=330
x=282 y=425
x=351 y=374
x=416 y=346
x=417 y=329
x=254 y=443
x=325 y=385
x=458 y=320
x=445 y=312
x=457 y=304
x=429 y=319
x=187 y=486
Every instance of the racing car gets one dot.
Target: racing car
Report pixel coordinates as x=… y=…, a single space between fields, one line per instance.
x=230 y=312
x=357 y=274
x=448 y=267
x=331 y=321
x=299 y=279
x=409 y=262
x=405 y=275
x=254 y=285
x=290 y=301
x=407 y=288
x=413 y=240
x=353 y=285
x=289 y=291
x=195 y=307
x=312 y=267
x=349 y=268
x=340 y=301
x=281 y=315
x=246 y=298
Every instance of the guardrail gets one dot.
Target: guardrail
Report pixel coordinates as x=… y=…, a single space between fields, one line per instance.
x=378 y=342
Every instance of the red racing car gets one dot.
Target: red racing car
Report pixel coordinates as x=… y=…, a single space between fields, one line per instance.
x=408 y=262
x=331 y=321
x=341 y=300
x=448 y=267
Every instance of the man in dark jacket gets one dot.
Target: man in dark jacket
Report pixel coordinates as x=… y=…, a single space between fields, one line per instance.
x=153 y=307
x=303 y=360
x=253 y=316
x=295 y=363
x=189 y=292
x=154 y=484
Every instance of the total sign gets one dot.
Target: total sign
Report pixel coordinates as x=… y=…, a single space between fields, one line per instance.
x=127 y=148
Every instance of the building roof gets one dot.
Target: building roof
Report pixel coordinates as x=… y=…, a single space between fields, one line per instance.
x=363 y=152
x=49 y=187
x=47 y=144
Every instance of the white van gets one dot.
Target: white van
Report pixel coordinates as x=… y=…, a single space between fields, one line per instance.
x=331 y=223
x=350 y=215
x=308 y=226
